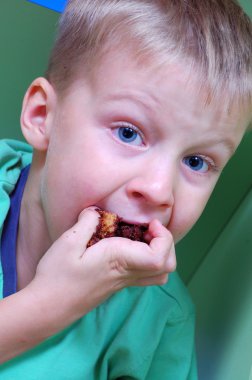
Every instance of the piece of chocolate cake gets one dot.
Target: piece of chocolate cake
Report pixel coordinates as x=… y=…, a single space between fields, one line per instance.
x=111 y=225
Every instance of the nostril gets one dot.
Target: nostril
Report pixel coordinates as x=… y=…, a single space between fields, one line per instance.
x=137 y=195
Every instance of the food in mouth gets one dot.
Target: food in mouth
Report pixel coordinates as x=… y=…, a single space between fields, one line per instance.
x=111 y=225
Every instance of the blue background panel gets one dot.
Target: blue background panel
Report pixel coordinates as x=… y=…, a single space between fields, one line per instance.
x=55 y=5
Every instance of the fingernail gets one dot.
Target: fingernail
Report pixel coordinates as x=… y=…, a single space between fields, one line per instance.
x=95 y=208
x=90 y=208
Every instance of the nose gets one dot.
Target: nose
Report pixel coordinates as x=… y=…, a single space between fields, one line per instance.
x=154 y=185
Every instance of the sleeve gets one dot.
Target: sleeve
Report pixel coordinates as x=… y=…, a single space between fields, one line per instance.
x=174 y=357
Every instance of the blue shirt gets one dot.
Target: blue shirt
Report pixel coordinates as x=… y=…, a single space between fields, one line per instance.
x=9 y=236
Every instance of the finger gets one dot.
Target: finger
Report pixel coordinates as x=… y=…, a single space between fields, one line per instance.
x=132 y=258
x=171 y=263
x=157 y=229
x=163 y=244
x=79 y=235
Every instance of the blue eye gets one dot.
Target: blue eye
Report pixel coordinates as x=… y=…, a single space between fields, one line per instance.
x=129 y=135
x=197 y=163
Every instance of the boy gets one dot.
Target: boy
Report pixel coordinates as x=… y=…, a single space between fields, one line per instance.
x=143 y=104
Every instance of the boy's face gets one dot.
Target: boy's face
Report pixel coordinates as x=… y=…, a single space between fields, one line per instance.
x=137 y=142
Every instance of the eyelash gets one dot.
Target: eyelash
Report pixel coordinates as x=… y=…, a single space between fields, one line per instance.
x=125 y=124
x=210 y=163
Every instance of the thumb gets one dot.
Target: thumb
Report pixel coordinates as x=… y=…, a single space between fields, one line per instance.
x=82 y=231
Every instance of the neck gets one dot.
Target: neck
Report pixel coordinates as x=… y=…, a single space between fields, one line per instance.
x=33 y=238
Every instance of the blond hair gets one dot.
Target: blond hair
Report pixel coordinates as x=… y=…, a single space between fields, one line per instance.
x=212 y=37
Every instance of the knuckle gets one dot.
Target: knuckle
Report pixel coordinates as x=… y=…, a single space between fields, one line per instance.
x=168 y=236
x=172 y=261
x=162 y=280
x=173 y=266
x=158 y=264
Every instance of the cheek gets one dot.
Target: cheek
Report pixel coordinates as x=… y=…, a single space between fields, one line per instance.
x=185 y=215
x=67 y=189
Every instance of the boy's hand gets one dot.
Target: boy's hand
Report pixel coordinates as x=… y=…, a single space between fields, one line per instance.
x=73 y=279
x=133 y=263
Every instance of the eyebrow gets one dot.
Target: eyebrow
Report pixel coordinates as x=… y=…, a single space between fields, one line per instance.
x=151 y=100
x=141 y=98
x=228 y=143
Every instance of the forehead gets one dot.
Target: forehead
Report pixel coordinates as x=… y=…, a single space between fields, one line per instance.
x=122 y=71
x=165 y=89
x=121 y=75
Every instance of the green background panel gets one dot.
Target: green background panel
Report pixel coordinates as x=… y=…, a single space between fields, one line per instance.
x=222 y=292
x=26 y=35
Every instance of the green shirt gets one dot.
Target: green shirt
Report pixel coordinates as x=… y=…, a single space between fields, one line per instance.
x=139 y=333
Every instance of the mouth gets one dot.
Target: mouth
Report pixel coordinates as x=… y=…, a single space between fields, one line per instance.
x=131 y=231
x=111 y=225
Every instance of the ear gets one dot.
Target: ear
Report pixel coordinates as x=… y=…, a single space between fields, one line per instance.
x=38 y=113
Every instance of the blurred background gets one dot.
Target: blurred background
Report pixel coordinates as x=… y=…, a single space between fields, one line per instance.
x=215 y=259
